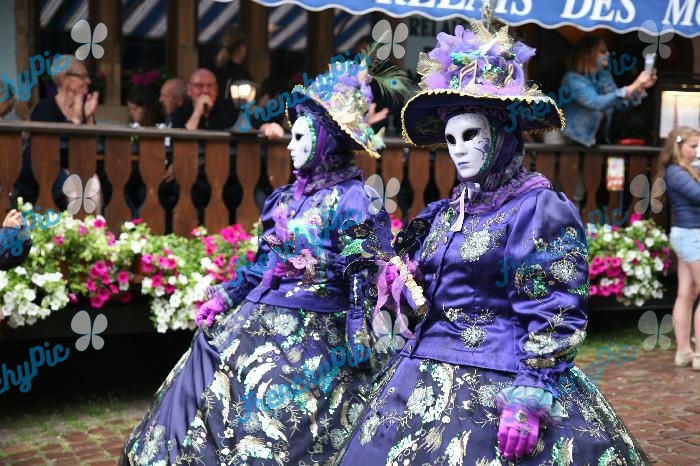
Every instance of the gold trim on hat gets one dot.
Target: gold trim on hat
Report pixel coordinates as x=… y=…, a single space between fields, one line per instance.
x=528 y=99
x=310 y=96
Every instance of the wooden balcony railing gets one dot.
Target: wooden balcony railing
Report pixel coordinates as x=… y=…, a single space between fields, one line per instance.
x=241 y=169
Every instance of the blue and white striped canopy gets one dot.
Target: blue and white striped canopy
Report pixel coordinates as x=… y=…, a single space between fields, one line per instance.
x=617 y=15
x=148 y=19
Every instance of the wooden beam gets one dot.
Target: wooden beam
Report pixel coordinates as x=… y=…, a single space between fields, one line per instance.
x=181 y=39
x=320 y=40
x=27 y=29
x=254 y=24
x=109 y=13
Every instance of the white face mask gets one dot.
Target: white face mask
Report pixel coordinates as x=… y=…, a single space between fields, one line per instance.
x=468 y=139
x=301 y=144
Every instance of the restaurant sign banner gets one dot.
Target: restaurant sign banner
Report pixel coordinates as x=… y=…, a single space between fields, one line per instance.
x=618 y=15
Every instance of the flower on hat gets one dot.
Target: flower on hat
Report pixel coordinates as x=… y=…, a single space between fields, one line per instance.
x=477 y=61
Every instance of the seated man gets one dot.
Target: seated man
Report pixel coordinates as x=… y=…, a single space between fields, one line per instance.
x=206 y=110
x=173 y=95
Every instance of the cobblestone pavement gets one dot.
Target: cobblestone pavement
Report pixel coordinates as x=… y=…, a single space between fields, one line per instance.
x=659 y=402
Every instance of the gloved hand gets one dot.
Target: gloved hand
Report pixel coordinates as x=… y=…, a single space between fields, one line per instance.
x=286 y=269
x=209 y=310
x=518 y=431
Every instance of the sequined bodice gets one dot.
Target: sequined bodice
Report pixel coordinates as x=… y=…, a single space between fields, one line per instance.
x=526 y=315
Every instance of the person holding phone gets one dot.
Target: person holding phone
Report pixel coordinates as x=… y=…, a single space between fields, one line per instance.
x=595 y=94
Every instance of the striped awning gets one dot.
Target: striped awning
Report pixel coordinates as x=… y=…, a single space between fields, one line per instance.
x=624 y=16
x=148 y=19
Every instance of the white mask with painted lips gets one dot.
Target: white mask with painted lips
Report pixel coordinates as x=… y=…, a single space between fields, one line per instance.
x=301 y=144
x=468 y=138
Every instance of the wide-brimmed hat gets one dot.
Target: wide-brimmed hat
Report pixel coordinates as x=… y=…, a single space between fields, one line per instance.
x=477 y=69
x=343 y=97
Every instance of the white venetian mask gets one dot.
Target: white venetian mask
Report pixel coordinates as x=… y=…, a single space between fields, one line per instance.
x=468 y=138
x=301 y=145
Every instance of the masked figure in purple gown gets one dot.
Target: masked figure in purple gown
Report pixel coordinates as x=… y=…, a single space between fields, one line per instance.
x=281 y=366
x=489 y=377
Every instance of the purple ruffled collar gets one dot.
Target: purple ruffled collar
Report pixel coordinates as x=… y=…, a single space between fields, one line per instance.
x=307 y=183
x=478 y=202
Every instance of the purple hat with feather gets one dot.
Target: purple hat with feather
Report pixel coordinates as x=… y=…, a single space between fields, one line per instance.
x=480 y=69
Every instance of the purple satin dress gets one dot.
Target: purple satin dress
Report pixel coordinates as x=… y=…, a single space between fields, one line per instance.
x=489 y=327
x=282 y=377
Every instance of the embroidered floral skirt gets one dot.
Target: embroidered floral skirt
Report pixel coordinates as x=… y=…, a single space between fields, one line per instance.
x=427 y=412
x=265 y=385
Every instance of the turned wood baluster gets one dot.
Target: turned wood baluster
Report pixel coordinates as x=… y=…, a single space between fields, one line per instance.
x=185 y=166
x=118 y=168
x=216 y=167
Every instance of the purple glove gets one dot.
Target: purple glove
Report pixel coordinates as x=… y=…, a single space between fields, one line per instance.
x=518 y=431
x=208 y=311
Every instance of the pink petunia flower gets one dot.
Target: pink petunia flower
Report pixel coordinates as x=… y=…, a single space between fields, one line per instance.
x=126 y=297
x=90 y=285
x=96 y=302
x=220 y=261
x=157 y=280
x=147 y=263
x=58 y=240
x=99 y=223
x=110 y=238
x=169 y=289
x=136 y=221
x=123 y=276
x=635 y=217
x=167 y=263
x=113 y=288
x=72 y=298
x=593 y=290
x=103 y=293
x=229 y=235
x=100 y=267
x=82 y=231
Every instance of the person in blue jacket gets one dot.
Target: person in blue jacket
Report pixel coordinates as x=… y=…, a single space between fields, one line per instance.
x=594 y=94
x=683 y=188
x=13 y=253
